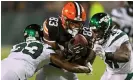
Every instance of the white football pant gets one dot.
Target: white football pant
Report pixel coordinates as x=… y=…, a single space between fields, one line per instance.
x=49 y=72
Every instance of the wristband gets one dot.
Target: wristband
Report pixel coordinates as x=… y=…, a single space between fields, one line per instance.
x=109 y=55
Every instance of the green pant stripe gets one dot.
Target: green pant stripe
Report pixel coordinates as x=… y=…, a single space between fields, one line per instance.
x=129 y=76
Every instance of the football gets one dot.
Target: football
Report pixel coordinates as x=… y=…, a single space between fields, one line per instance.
x=79 y=38
x=82 y=57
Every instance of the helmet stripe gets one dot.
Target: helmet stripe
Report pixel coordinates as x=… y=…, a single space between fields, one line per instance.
x=45 y=27
x=78 y=9
x=75 y=9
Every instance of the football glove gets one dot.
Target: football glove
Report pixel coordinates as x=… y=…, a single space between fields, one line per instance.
x=90 y=67
x=98 y=49
x=74 y=51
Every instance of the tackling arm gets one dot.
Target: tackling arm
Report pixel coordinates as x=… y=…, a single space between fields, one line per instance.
x=122 y=54
x=72 y=67
x=91 y=57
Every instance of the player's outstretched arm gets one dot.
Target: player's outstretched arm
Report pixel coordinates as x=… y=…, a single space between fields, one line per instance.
x=91 y=57
x=72 y=67
x=122 y=54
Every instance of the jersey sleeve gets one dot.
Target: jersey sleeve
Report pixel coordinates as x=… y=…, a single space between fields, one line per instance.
x=116 y=41
x=45 y=56
x=125 y=38
x=50 y=27
x=48 y=49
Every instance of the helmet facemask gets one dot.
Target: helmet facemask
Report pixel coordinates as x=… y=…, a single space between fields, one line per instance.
x=73 y=27
x=73 y=17
x=102 y=27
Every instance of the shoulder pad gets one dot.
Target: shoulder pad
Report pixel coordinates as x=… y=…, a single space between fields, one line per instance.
x=51 y=26
x=118 y=36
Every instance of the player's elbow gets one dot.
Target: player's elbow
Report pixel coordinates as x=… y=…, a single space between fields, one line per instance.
x=122 y=58
x=126 y=58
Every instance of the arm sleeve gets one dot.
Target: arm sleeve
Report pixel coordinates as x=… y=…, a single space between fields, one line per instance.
x=47 y=51
x=51 y=29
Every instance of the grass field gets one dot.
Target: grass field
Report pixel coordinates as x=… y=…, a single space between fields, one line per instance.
x=98 y=66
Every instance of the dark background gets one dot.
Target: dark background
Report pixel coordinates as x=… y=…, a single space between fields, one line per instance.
x=16 y=15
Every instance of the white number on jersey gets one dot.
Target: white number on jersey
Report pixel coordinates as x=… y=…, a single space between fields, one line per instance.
x=87 y=32
x=34 y=49
x=53 y=21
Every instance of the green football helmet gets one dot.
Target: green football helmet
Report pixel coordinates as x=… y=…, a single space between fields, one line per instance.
x=33 y=32
x=101 y=25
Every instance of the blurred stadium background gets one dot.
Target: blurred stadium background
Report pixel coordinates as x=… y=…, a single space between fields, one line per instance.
x=16 y=15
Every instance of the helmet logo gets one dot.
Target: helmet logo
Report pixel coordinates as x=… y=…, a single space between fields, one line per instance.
x=105 y=19
x=66 y=10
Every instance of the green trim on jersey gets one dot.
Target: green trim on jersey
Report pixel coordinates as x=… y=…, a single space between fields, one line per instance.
x=117 y=37
x=129 y=76
x=51 y=48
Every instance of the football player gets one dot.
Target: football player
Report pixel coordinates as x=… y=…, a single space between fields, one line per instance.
x=57 y=32
x=27 y=57
x=123 y=18
x=114 y=47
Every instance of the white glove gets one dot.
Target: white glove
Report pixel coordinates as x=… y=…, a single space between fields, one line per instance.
x=98 y=49
x=90 y=67
x=64 y=70
x=79 y=69
x=85 y=69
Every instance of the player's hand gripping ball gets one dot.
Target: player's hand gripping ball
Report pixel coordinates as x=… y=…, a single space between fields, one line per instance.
x=78 y=50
